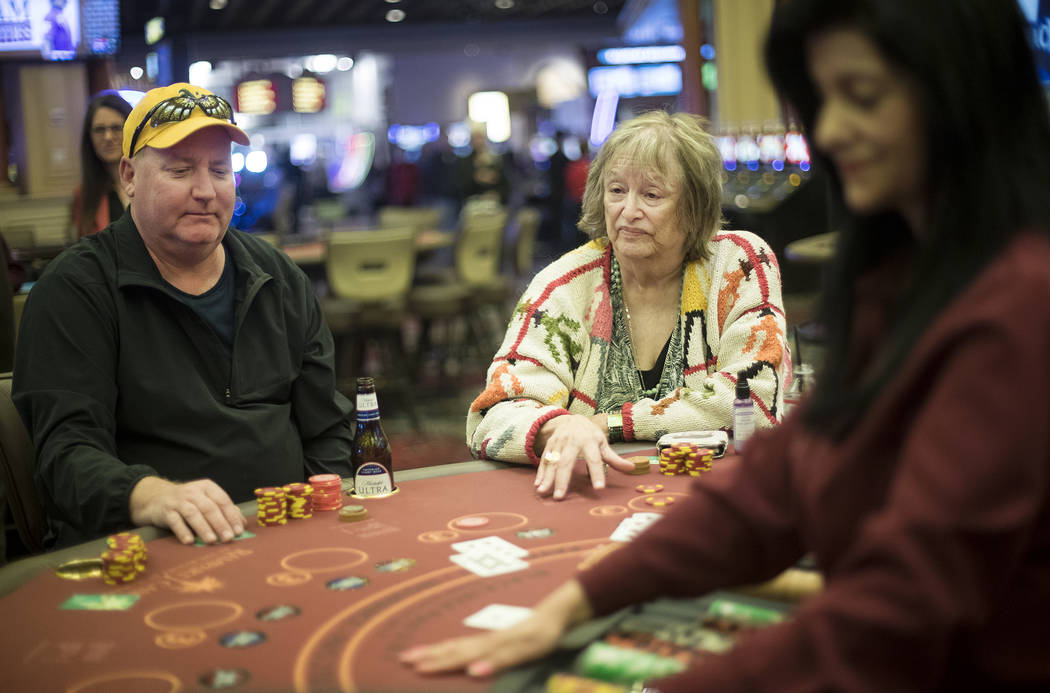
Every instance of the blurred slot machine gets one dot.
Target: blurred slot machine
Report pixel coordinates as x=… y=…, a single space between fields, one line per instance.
x=747 y=150
x=726 y=143
x=771 y=146
x=796 y=151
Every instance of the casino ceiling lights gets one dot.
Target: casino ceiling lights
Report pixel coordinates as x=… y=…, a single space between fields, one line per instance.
x=205 y=16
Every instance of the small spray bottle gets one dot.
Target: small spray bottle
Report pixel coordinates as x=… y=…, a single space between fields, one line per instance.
x=743 y=413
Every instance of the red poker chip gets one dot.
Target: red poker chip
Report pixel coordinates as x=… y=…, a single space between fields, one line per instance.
x=471 y=522
x=328 y=503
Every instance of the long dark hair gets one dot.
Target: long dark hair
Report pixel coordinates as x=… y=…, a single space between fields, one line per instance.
x=987 y=135
x=95 y=182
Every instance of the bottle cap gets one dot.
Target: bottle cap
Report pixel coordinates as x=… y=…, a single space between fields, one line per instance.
x=743 y=391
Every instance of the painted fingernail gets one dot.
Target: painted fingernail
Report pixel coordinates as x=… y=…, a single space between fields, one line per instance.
x=480 y=669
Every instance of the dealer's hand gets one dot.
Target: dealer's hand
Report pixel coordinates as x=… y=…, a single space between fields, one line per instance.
x=483 y=655
x=197 y=507
x=565 y=438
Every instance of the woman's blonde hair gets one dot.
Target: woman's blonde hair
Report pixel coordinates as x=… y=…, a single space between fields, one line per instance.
x=658 y=141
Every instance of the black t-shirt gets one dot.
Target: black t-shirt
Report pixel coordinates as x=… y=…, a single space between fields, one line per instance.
x=216 y=304
x=116 y=207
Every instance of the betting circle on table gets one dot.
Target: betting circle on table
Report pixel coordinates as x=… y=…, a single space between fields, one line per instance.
x=347 y=598
x=494 y=522
x=659 y=502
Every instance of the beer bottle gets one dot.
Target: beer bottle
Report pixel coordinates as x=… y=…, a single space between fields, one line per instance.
x=370 y=454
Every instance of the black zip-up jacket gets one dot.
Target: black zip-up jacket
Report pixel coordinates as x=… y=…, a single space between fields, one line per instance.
x=116 y=380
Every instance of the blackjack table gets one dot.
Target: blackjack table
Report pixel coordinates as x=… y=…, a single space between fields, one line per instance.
x=320 y=603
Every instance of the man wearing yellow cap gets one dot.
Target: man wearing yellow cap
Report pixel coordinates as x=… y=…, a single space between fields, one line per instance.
x=169 y=365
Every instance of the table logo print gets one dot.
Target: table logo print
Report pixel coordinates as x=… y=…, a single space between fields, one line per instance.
x=243 y=638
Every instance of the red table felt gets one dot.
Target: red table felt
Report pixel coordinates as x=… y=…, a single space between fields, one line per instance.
x=192 y=599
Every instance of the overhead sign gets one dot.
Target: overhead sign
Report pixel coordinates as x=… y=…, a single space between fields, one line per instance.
x=641 y=54
x=308 y=94
x=256 y=97
x=276 y=93
x=636 y=80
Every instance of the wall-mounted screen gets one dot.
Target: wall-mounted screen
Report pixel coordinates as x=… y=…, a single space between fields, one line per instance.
x=1037 y=12
x=59 y=29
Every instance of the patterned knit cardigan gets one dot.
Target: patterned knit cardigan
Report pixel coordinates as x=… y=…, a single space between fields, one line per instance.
x=554 y=352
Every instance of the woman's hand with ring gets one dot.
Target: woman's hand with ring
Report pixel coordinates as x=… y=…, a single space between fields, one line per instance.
x=566 y=438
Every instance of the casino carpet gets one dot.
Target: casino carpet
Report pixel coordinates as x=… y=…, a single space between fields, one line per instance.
x=441 y=408
x=412 y=450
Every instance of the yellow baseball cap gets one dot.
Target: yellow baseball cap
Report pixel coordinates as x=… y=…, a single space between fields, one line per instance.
x=167 y=115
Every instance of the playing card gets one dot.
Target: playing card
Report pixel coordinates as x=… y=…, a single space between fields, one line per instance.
x=634 y=525
x=493 y=545
x=497 y=617
x=488 y=564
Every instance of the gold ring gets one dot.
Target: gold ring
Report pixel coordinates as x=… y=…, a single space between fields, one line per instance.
x=552 y=456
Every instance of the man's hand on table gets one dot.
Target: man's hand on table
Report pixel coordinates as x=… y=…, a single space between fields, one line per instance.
x=198 y=508
x=484 y=655
x=563 y=439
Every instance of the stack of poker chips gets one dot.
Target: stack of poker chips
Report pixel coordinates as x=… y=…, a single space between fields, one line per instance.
x=352 y=513
x=624 y=666
x=298 y=500
x=328 y=491
x=641 y=465
x=685 y=458
x=568 y=683
x=124 y=558
x=272 y=509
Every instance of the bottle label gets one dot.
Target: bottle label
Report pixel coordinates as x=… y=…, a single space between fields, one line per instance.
x=367 y=406
x=372 y=479
x=743 y=423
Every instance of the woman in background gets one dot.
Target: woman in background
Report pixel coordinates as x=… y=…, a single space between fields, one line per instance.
x=99 y=199
x=918 y=474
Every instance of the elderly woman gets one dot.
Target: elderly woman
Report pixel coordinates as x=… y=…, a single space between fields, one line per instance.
x=643 y=330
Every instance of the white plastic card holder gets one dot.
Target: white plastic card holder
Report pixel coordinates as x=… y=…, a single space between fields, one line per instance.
x=717 y=441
